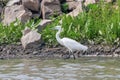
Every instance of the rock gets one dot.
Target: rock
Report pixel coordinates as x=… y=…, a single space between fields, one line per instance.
x=34 y=16
x=31 y=4
x=1 y=9
x=76 y=11
x=97 y=1
x=72 y=5
x=25 y=31
x=89 y=2
x=117 y=50
x=108 y=0
x=13 y=2
x=43 y=23
x=30 y=39
x=16 y=11
x=50 y=8
x=107 y=49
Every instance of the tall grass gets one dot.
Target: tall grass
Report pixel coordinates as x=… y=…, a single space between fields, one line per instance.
x=100 y=24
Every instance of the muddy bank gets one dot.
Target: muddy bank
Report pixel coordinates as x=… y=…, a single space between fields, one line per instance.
x=43 y=52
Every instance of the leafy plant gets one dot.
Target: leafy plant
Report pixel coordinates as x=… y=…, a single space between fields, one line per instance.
x=12 y=33
x=100 y=24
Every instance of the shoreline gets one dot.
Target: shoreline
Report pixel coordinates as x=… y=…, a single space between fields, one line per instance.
x=15 y=51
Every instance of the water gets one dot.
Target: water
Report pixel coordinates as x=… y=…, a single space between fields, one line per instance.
x=79 y=69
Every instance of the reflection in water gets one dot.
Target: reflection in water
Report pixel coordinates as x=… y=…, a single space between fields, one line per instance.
x=80 y=69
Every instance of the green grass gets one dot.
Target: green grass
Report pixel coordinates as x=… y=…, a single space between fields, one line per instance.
x=99 y=24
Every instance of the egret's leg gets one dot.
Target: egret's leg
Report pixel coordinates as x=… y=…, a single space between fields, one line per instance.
x=69 y=53
x=73 y=55
x=78 y=54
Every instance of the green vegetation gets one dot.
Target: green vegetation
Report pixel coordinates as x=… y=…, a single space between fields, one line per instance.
x=12 y=33
x=100 y=24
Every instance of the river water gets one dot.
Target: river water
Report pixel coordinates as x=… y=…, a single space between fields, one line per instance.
x=58 y=69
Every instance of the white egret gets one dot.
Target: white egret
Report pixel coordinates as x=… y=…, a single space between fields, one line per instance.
x=70 y=44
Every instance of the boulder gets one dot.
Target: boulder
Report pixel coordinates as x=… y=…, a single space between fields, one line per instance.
x=16 y=11
x=76 y=11
x=30 y=38
x=31 y=4
x=35 y=15
x=43 y=23
x=25 y=31
x=108 y=0
x=97 y=1
x=89 y=2
x=1 y=9
x=72 y=5
x=50 y=8
x=13 y=2
x=117 y=51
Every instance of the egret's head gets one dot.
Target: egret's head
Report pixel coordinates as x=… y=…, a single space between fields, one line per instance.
x=57 y=27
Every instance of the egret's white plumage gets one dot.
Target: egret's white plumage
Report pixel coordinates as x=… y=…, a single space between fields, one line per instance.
x=70 y=44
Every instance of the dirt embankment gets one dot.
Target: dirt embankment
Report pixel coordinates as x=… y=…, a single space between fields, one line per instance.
x=43 y=52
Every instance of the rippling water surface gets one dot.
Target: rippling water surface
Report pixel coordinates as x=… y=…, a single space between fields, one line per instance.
x=79 y=69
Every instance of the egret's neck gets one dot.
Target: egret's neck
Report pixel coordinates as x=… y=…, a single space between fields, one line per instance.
x=58 y=36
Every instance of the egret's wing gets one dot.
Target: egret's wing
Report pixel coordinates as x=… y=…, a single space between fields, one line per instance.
x=72 y=44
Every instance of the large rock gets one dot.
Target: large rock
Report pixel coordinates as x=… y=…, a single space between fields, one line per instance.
x=43 y=23
x=72 y=4
x=31 y=4
x=30 y=38
x=108 y=0
x=50 y=8
x=78 y=9
x=13 y=2
x=16 y=11
x=89 y=2
x=1 y=9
